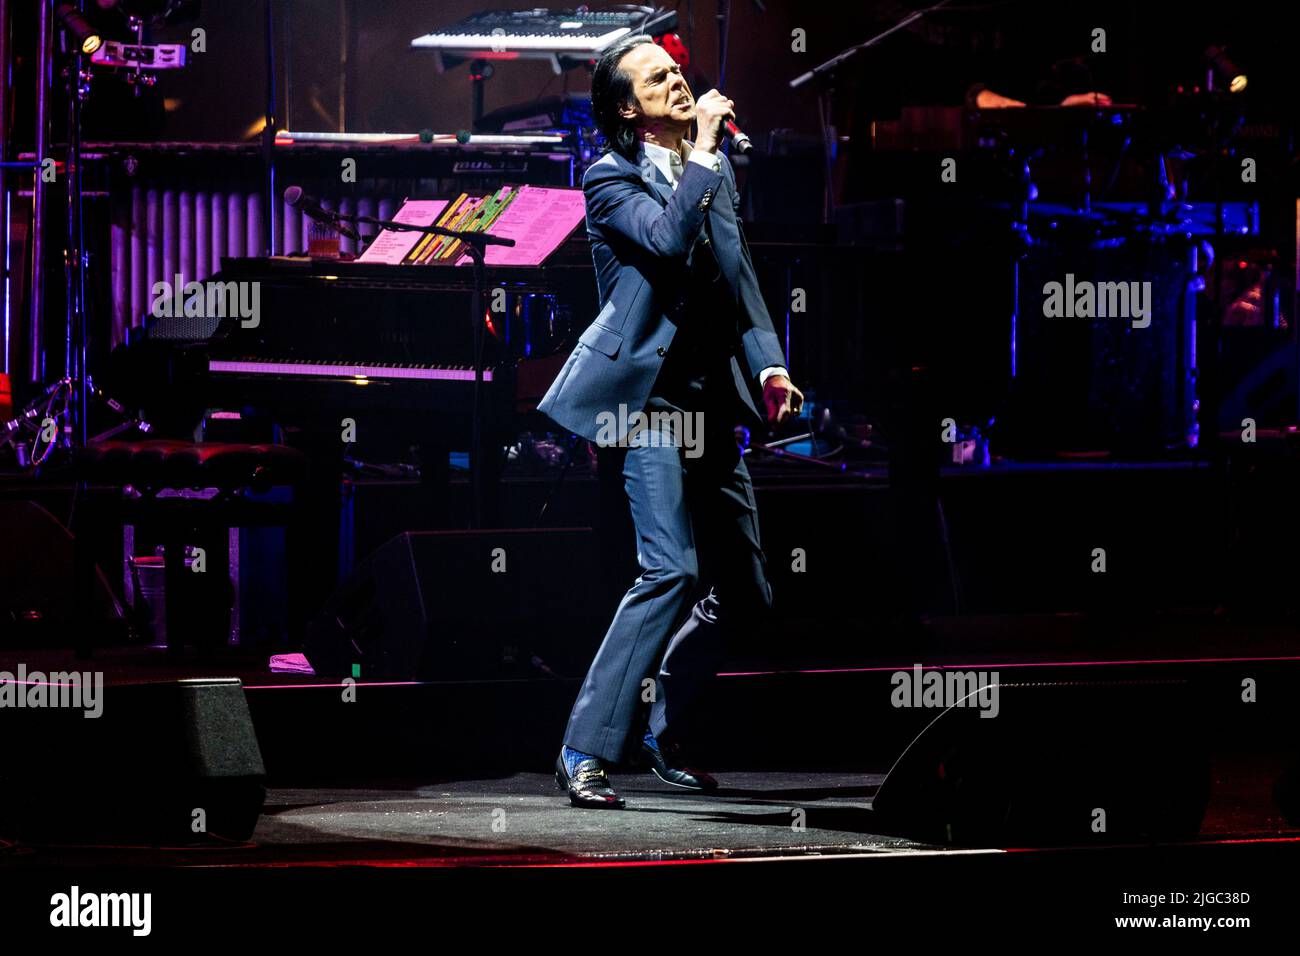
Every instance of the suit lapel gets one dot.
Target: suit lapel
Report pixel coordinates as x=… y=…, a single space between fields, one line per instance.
x=726 y=251
x=654 y=179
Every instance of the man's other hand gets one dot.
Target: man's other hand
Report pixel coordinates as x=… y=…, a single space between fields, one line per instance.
x=781 y=398
x=1086 y=99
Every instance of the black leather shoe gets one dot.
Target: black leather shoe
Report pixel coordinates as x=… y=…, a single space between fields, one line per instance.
x=682 y=777
x=589 y=786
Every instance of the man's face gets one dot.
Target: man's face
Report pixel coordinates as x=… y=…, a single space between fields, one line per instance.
x=663 y=96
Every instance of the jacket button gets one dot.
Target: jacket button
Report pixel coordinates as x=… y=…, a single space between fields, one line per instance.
x=661 y=351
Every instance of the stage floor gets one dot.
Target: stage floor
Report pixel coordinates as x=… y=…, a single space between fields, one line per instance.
x=523 y=819
x=526 y=818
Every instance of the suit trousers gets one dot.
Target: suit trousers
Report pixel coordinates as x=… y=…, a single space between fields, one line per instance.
x=660 y=651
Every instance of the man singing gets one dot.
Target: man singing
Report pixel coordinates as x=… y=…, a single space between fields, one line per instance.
x=682 y=341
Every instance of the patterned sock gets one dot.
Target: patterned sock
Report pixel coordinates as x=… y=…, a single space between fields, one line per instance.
x=650 y=739
x=572 y=758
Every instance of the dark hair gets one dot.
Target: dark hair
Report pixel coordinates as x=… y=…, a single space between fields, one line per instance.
x=611 y=89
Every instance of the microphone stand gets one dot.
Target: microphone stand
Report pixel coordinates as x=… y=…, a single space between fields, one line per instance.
x=476 y=244
x=824 y=73
x=913 y=474
x=839 y=59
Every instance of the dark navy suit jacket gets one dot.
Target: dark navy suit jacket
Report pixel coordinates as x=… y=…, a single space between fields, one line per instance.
x=642 y=235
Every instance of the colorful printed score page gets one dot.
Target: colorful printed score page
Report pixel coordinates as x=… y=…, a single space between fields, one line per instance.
x=537 y=218
x=392 y=245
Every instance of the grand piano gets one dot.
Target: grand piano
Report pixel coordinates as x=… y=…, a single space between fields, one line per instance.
x=389 y=347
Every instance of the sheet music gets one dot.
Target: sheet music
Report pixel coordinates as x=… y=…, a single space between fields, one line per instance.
x=538 y=220
x=391 y=246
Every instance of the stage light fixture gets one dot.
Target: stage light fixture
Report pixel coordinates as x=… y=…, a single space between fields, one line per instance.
x=79 y=28
x=1226 y=69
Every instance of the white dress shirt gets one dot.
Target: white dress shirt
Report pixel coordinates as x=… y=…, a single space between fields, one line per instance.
x=669 y=163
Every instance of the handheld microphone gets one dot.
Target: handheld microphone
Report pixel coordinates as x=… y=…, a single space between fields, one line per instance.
x=737 y=137
x=297 y=199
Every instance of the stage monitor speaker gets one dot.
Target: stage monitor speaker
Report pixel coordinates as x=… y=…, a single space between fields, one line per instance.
x=173 y=763
x=464 y=605
x=1059 y=764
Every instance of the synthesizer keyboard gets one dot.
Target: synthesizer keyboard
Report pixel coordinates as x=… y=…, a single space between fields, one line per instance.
x=542 y=33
